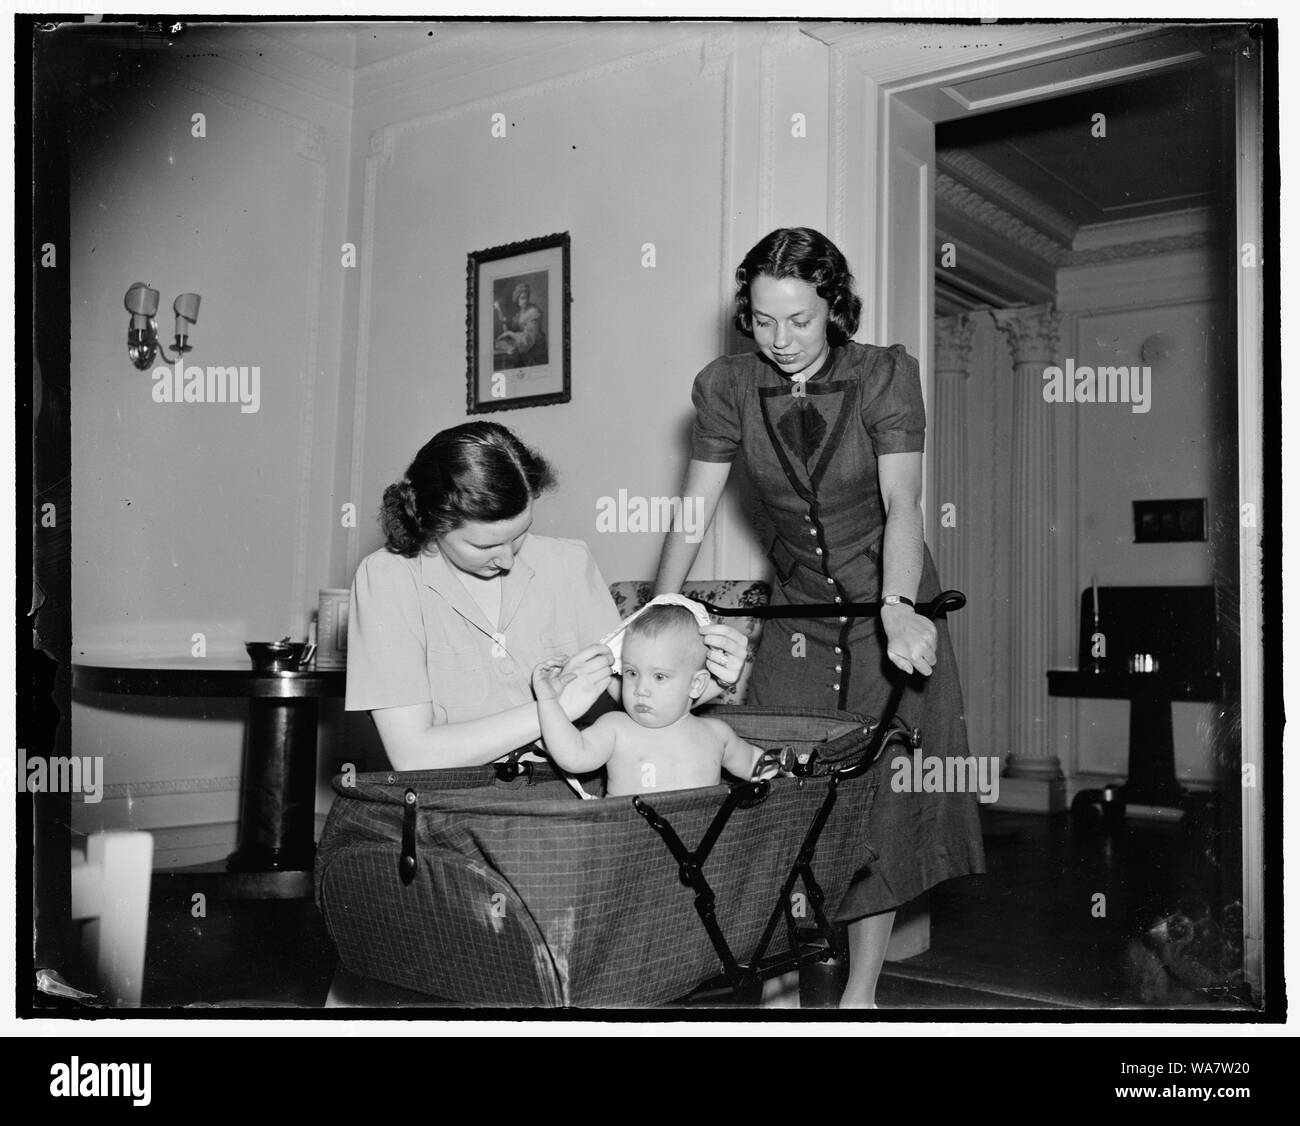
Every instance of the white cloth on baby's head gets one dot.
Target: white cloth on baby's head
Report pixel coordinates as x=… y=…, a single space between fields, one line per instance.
x=615 y=639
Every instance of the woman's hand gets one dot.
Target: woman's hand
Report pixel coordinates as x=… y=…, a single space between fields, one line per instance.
x=725 y=652
x=912 y=639
x=583 y=677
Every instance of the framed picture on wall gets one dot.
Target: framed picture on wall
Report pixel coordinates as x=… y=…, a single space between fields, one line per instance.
x=1169 y=521
x=518 y=325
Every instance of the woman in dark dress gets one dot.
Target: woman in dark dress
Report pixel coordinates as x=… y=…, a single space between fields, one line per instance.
x=832 y=434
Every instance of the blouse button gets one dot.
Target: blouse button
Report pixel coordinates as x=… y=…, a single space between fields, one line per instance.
x=838 y=649
x=839 y=668
x=838 y=598
x=831 y=581
x=812 y=531
x=836 y=687
x=807 y=518
x=819 y=551
x=842 y=620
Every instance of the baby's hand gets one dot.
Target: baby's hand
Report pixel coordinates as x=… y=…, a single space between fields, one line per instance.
x=549 y=678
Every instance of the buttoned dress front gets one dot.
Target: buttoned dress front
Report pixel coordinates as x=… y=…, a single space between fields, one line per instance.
x=415 y=635
x=812 y=453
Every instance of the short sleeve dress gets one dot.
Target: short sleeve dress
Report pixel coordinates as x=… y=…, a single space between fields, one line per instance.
x=415 y=635
x=813 y=460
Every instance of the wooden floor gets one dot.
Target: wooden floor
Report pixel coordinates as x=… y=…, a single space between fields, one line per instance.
x=1047 y=927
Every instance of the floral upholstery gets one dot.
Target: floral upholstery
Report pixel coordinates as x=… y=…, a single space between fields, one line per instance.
x=629 y=597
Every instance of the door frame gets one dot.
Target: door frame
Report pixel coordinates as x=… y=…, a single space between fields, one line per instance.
x=888 y=79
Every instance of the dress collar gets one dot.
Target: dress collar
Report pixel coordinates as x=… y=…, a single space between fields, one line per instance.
x=439 y=575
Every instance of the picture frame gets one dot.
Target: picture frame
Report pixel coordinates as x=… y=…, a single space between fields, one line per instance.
x=1169 y=521
x=517 y=325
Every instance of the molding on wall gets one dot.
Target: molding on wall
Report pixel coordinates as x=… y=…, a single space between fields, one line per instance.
x=692 y=44
x=1169 y=224
x=182 y=846
x=1004 y=390
x=260 y=51
x=719 y=60
x=967 y=201
x=309 y=60
x=311 y=136
x=837 y=181
x=1175 y=278
x=988 y=182
x=166 y=787
x=380 y=156
x=717 y=53
x=779 y=40
x=988 y=211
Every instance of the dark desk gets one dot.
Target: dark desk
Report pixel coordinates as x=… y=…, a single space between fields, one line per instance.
x=1151 y=776
x=276 y=849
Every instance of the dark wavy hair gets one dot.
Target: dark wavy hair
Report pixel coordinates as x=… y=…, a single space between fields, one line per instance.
x=478 y=471
x=809 y=256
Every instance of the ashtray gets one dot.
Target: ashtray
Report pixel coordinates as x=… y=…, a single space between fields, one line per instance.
x=280 y=656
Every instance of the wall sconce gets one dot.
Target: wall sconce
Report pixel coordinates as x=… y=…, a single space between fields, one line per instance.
x=142 y=337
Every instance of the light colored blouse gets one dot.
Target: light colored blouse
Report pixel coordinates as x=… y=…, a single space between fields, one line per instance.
x=415 y=634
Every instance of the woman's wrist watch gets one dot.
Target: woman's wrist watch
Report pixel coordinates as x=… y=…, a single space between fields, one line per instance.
x=896 y=599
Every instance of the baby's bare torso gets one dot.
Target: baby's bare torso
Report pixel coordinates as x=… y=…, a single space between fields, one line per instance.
x=682 y=756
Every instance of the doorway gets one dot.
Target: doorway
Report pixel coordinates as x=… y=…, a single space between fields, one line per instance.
x=901 y=109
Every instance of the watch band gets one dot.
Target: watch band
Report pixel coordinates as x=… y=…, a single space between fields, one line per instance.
x=895 y=599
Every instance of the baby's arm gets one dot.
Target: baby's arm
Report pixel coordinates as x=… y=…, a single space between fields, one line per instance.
x=738 y=756
x=575 y=751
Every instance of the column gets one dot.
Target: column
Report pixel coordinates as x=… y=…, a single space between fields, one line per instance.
x=1034 y=337
x=951 y=541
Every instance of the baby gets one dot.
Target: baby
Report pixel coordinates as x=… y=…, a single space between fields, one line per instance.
x=656 y=743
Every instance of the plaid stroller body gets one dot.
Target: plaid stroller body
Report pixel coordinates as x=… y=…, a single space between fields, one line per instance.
x=496 y=886
x=523 y=895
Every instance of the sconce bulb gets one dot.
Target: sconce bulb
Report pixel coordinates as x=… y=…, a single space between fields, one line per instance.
x=141 y=301
x=187 y=306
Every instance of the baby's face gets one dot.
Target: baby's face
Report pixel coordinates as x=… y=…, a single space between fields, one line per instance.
x=662 y=676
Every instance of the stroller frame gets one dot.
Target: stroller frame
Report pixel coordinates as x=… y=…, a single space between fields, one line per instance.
x=823 y=941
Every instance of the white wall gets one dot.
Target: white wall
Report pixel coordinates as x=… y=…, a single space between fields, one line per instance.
x=199 y=518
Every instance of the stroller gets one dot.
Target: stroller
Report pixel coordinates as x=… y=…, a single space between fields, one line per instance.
x=493 y=886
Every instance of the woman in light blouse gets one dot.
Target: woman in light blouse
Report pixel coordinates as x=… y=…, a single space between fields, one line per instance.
x=449 y=618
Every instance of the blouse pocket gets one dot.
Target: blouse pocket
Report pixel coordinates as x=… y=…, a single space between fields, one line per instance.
x=457 y=677
x=561 y=644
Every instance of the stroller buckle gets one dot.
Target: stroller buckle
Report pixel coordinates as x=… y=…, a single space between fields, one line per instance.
x=511 y=771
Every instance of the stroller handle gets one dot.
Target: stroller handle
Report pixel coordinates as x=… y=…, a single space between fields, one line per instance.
x=936 y=608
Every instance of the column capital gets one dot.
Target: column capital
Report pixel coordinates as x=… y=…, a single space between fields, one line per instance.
x=1033 y=332
x=953 y=339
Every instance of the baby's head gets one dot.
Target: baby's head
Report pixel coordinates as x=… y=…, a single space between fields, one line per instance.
x=663 y=665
